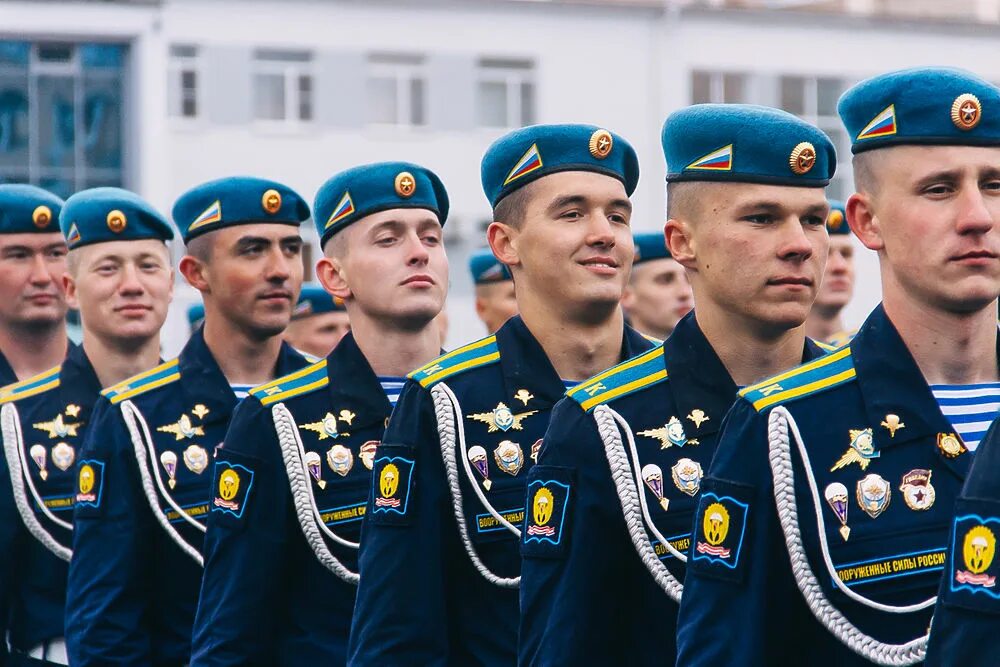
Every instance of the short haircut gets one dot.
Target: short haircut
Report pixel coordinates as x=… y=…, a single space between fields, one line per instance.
x=512 y=208
x=336 y=245
x=866 y=166
x=73 y=263
x=200 y=247
x=683 y=199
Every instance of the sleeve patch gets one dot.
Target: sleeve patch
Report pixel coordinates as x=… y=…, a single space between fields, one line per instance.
x=89 y=484
x=392 y=479
x=973 y=566
x=720 y=530
x=546 y=512
x=233 y=483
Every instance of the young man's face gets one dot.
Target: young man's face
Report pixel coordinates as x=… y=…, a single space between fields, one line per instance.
x=31 y=279
x=254 y=276
x=658 y=296
x=935 y=215
x=318 y=334
x=496 y=303
x=574 y=246
x=758 y=250
x=394 y=267
x=838 y=279
x=122 y=288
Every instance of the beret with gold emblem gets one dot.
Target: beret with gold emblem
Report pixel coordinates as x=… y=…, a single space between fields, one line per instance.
x=99 y=215
x=936 y=106
x=527 y=154
x=237 y=200
x=836 y=222
x=27 y=208
x=361 y=191
x=487 y=269
x=649 y=246
x=314 y=300
x=744 y=143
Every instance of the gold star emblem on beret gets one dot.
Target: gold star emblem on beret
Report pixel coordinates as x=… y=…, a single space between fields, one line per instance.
x=803 y=158
x=405 y=185
x=117 y=221
x=42 y=216
x=966 y=112
x=271 y=201
x=600 y=144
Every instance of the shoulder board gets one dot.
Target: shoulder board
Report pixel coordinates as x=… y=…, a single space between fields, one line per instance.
x=816 y=376
x=627 y=377
x=32 y=386
x=300 y=382
x=473 y=355
x=163 y=374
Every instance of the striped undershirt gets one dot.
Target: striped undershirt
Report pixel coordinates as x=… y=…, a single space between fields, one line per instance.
x=241 y=390
x=392 y=386
x=970 y=408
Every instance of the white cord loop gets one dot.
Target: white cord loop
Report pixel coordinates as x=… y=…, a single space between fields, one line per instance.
x=779 y=453
x=633 y=500
x=448 y=413
x=306 y=510
x=17 y=466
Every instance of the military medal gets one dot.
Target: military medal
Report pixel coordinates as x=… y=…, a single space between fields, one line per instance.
x=687 y=475
x=72 y=410
x=324 y=428
x=670 y=434
x=340 y=459
x=950 y=445
x=918 y=492
x=653 y=477
x=63 y=456
x=892 y=423
x=169 y=461
x=196 y=459
x=861 y=451
x=199 y=411
x=502 y=419
x=698 y=417
x=367 y=453
x=39 y=455
x=182 y=428
x=509 y=457
x=874 y=494
x=535 y=449
x=477 y=456
x=836 y=497
x=57 y=428
x=314 y=463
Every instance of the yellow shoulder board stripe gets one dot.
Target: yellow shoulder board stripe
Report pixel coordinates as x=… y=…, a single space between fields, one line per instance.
x=300 y=382
x=817 y=375
x=826 y=347
x=473 y=355
x=32 y=386
x=627 y=377
x=159 y=376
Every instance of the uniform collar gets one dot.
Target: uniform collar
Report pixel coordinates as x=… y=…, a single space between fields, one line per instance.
x=352 y=378
x=78 y=375
x=525 y=365
x=7 y=375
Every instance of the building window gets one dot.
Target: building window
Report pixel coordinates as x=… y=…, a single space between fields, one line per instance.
x=397 y=90
x=814 y=99
x=61 y=109
x=505 y=93
x=184 y=79
x=718 y=87
x=282 y=86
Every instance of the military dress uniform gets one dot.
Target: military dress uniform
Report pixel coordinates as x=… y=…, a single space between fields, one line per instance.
x=144 y=484
x=822 y=525
x=439 y=556
x=44 y=420
x=292 y=481
x=620 y=470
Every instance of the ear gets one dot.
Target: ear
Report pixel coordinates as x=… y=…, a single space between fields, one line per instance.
x=332 y=276
x=628 y=296
x=195 y=272
x=69 y=288
x=503 y=242
x=864 y=222
x=680 y=242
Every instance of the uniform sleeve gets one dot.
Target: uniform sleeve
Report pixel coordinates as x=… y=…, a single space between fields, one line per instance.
x=108 y=585
x=738 y=589
x=400 y=616
x=10 y=532
x=568 y=600
x=244 y=546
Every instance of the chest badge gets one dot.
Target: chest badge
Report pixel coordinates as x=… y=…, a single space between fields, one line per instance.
x=687 y=475
x=501 y=418
x=477 y=457
x=524 y=396
x=535 y=448
x=63 y=456
x=698 y=417
x=340 y=459
x=950 y=445
x=347 y=417
x=874 y=494
x=57 y=428
x=315 y=465
x=325 y=427
x=836 y=498
x=367 y=453
x=892 y=423
x=168 y=460
x=670 y=434
x=509 y=457
x=918 y=492
x=72 y=410
x=182 y=428
x=40 y=456
x=652 y=475
x=196 y=459
x=862 y=450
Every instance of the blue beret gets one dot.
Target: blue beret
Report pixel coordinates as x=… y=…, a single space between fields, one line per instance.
x=314 y=300
x=196 y=314
x=649 y=246
x=237 y=200
x=925 y=105
x=99 y=215
x=26 y=208
x=836 y=222
x=524 y=155
x=486 y=268
x=360 y=191
x=743 y=143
